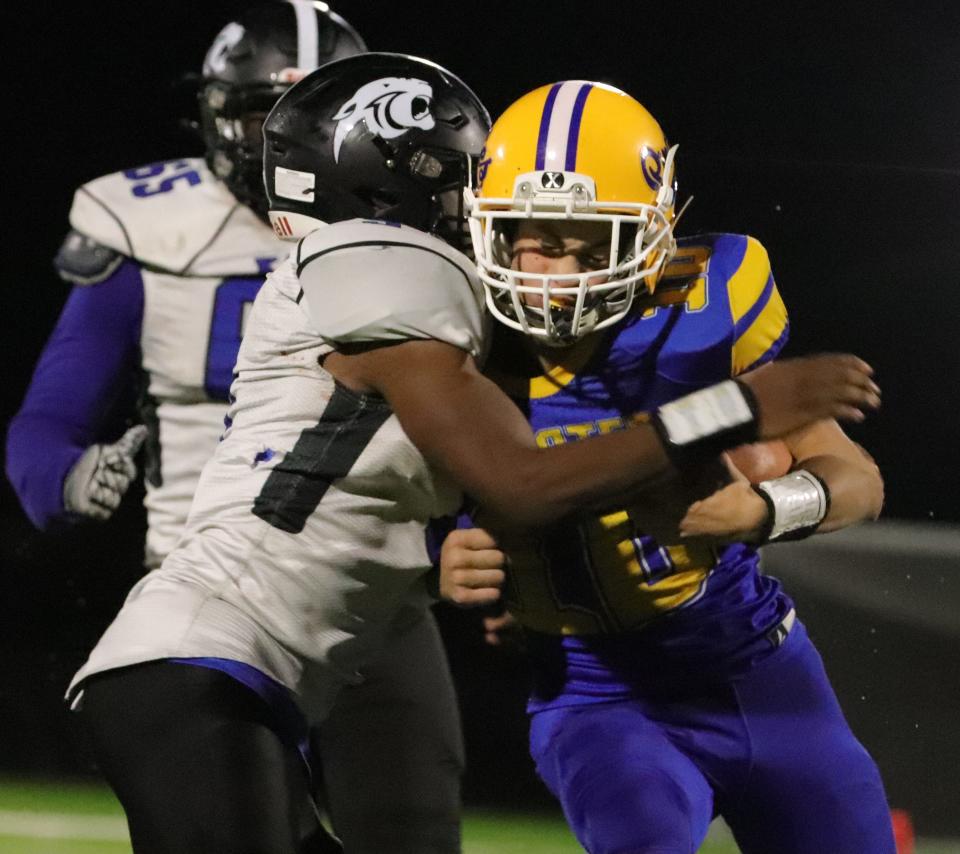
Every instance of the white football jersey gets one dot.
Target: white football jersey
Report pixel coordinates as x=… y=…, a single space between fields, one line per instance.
x=203 y=257
x=307 y=532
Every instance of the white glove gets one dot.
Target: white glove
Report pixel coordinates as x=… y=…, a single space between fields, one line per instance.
x=98 y=480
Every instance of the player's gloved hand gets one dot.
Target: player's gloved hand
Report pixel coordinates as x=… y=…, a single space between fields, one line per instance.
x=793 y=393
x=471 y=568
x=99 y=479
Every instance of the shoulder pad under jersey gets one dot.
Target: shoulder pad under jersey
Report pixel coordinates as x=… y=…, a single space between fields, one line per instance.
x=367 y=280
x=732 y=318
x=177 y=217
x=83 y=261
x=760 y=324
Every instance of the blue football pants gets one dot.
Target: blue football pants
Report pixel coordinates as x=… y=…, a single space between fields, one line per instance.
x=770 y=751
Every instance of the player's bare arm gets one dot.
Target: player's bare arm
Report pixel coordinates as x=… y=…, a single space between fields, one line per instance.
x=835 y=386
x=852 y=478
x=462 y=421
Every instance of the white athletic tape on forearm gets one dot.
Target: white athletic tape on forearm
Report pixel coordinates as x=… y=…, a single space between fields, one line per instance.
x=797 y=502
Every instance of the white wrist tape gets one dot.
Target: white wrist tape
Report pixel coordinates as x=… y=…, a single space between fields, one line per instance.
x=796 y=502
x=704 y=423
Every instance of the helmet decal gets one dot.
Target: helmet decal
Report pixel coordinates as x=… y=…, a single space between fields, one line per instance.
x=483 y=166
x=389 y=107
x=651 y=164
x=382 y=136
x=215 y=62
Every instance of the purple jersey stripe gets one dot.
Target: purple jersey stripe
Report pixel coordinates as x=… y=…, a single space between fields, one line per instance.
x=772 y=351
x=574 y=135
x=745 y=322
x=653 y=558
x=545 y=125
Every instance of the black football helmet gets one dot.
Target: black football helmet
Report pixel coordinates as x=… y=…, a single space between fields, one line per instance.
x=251 y=63
x=375 y=136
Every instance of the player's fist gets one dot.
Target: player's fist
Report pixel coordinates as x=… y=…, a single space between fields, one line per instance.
x=103 y=473
x=793 y=393
x=471 y=568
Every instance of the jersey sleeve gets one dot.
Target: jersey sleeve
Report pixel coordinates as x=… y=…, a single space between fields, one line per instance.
x=375 y=282
x=174 y=216
x=760 y=323
x=89 y=360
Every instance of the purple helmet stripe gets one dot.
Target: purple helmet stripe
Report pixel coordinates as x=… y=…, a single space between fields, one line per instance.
x=545 y=125
x=574 y=134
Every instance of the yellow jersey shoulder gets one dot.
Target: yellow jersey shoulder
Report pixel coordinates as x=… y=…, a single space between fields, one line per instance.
x=726 y=283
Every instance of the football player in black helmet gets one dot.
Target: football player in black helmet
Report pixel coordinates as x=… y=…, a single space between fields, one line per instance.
x=251 y=63
x=376 y=145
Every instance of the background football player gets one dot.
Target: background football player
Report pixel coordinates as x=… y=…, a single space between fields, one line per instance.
x=354 y=420
x=672 y=679
x=166 y=260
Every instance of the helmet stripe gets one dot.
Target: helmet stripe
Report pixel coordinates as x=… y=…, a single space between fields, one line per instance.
x=545 y=125
x=561 y=124
x=574 y=135
x=308 y=36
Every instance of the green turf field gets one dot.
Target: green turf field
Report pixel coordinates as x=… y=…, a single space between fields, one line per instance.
x=81 y=818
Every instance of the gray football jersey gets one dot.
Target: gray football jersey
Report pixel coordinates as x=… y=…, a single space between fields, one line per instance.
x=306 y=533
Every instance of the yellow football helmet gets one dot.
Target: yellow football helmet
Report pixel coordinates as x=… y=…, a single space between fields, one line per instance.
x=583 y=151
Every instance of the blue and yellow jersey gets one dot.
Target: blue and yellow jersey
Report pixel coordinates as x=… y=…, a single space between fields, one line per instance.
x=609 y=575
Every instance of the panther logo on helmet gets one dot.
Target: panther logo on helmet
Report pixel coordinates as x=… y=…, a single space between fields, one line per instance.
x=389 y=107
x=228 y=38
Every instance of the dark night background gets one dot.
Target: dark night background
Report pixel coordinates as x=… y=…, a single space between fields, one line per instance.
x=829 y=133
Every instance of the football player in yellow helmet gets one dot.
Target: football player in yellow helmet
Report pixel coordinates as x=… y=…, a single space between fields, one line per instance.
x=673 y=680
x=574 y=152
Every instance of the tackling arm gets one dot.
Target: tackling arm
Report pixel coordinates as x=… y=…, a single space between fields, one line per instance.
x=466 y=426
